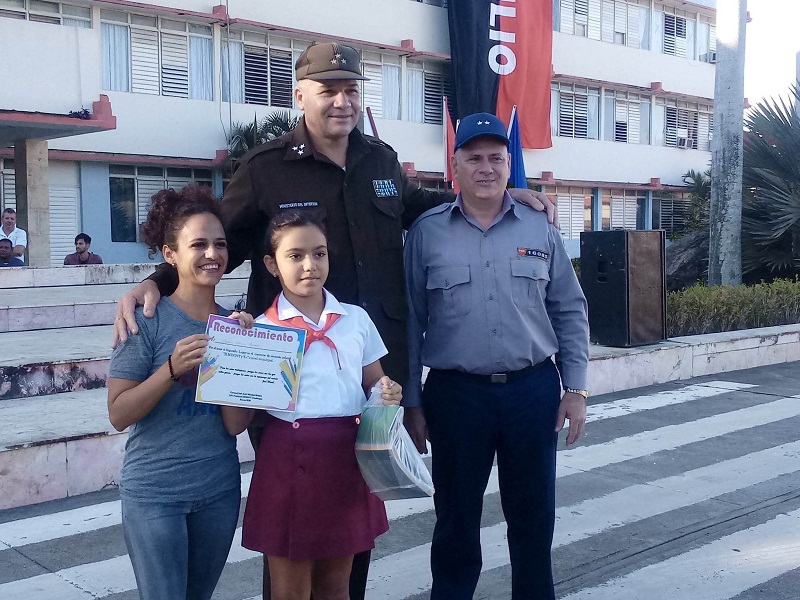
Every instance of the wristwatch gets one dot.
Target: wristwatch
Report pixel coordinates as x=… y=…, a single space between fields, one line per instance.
x=583 y=393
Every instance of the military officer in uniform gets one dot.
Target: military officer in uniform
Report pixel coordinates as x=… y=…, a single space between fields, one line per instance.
x=492 y=298
x=356 y=185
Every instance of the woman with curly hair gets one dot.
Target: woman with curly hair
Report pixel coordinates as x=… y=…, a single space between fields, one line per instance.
x=180 y=484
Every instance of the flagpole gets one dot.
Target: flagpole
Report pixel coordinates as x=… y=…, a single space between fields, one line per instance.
x=511 y=119
x=445 y=116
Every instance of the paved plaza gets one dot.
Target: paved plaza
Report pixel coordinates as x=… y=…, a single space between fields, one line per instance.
x=685 y=490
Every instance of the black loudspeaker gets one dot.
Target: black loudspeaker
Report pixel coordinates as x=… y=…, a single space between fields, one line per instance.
x=624 y=279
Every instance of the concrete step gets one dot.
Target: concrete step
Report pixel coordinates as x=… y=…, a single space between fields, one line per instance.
x=50 y=361
x=31 y=277
x=26 y=309
x=61 y=445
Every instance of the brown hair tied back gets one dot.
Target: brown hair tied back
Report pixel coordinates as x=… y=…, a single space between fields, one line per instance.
x=286 y=220
x=168 y=211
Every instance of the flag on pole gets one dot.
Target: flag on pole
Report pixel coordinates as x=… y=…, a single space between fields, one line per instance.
x=449 y=145
x=517 y=179
x=503 y=62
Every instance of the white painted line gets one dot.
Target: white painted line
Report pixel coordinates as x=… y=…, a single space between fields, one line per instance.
x=42 y=587
x=627 y=406
x=101 y=578
x=671 y=437
x=71 y=522
x=107 y=514
x=407 y=573
x=719 y=570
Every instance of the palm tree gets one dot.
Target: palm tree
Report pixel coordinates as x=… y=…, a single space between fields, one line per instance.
x=244 y=137
x=771 y=203
x=700 y=193
x=277 y=123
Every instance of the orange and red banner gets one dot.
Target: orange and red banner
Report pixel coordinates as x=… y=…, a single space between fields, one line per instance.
x=502 y=56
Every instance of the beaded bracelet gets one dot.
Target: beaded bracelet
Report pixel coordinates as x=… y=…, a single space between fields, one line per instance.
x=171 y=372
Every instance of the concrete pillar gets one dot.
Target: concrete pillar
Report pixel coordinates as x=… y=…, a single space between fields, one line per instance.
x=597 y=210
x=33 y=199
x=648 y=210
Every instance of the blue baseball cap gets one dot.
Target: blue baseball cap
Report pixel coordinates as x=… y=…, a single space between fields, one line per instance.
x=479 y=125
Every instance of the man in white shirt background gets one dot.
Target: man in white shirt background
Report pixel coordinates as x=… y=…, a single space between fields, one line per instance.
x=17 y=236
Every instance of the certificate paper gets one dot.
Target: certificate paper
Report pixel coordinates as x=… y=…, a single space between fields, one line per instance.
x=254 y=368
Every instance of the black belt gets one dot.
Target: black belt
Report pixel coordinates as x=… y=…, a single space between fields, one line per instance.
x=506 y=377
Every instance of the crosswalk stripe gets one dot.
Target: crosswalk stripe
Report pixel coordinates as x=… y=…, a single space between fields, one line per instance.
x=620 y=408
x=718 y=570
x=670 y=437
x=107 y=514
x=71 y=522
x=406 y=573
x=42 y=587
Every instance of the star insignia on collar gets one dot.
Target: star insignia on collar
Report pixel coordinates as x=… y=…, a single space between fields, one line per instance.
x=344 y=61
x=338 y=55
x=333 y=61
x=300 y=149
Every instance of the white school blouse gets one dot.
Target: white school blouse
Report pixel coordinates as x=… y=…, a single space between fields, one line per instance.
x=325 y=390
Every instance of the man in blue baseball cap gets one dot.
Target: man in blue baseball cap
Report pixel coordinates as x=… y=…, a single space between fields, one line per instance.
x=493 y=298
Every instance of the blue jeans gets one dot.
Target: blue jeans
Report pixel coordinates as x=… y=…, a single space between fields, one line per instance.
x=469 y=423
x=178 y=549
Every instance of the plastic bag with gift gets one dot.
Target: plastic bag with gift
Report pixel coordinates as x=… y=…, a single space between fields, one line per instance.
x=389 y=461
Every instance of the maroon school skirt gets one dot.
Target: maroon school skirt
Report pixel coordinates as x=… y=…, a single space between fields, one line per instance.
x=307 y=499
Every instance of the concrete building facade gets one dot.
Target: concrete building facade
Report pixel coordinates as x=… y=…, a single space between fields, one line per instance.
x=130 y=97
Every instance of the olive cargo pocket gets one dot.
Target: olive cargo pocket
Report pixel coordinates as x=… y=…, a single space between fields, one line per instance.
x=387 y=217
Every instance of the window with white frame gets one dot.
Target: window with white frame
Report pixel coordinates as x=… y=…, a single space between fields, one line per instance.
x=574 y=209
x=425 y=87
x=258 y=68
x=382 y=90
x=686 y=124
x=624 y=22
x=624 y=208
x=151 y=55
x=670 y=210
x=44 y=11
x=132 y=187
x=706 y=40
x=574 y=111
x=627 y=117
x=8 y=198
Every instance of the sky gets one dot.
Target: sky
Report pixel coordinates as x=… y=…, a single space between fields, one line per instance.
x=771 y=47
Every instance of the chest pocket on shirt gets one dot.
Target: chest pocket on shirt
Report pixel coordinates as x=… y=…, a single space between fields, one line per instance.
x=529 y=279
x=387 y=215
x=449 y=291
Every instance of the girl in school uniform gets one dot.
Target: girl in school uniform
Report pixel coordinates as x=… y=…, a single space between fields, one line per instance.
x=180 y=485
x=309 y=510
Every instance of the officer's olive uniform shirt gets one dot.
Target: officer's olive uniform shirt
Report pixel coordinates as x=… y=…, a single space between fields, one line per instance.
x=492 y=301
x=365 y=208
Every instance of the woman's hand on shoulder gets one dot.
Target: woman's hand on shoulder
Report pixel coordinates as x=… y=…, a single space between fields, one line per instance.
x=392 y=392
x=245 y=319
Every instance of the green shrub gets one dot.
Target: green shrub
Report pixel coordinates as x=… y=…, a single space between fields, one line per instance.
x=576 y=264
x=700 y=309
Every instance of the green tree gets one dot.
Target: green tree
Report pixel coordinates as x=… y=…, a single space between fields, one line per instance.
x=700 y=194
x=243 y=137
x=771 y=203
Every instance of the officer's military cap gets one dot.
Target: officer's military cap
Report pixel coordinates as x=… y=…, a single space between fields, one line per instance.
x=327 y=61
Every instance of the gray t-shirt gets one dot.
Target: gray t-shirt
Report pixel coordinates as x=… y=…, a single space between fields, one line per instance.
x=180 y=451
